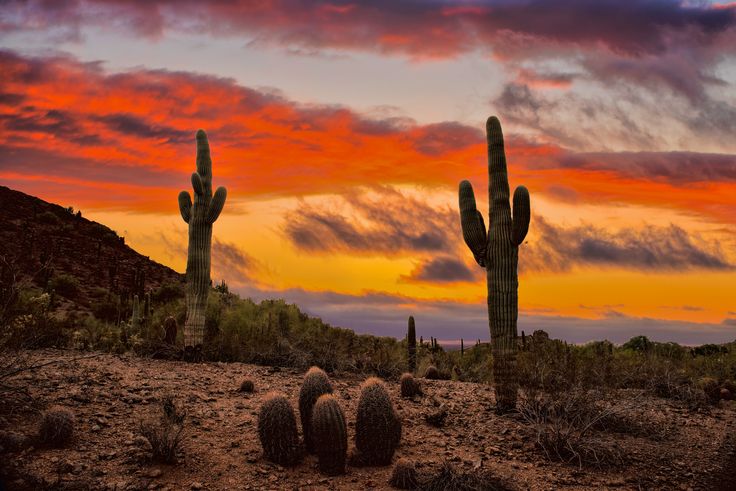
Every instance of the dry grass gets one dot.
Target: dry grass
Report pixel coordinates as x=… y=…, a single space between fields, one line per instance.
x=450 y=479
x=566 y=426
x=165 y=430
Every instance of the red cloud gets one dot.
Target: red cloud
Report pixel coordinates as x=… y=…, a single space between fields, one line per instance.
x=126 y=140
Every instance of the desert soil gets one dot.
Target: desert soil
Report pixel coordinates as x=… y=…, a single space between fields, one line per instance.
x=111 y=394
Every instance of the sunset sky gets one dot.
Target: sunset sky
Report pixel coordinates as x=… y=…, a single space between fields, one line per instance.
x=342 y=130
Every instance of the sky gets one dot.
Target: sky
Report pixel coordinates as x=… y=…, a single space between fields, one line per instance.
x=342 y=130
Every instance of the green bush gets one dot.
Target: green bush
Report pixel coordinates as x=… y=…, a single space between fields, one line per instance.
x=65 y=285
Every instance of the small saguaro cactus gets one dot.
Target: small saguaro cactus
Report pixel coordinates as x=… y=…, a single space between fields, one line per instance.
x=170 y=329
x=57 y=426
x=498 y=252
x=377 y=426
x=316 y=383
x=277 y=430
x=411 y=341
x=200 y=215
x=330 y=435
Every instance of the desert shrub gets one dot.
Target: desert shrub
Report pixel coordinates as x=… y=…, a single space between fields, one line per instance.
x=49 y=218
x=448 y=478
x=168 y=292
x=564 y=424
x=164 y=430
x=106 y=308
x=57 y=426
x=65 y=285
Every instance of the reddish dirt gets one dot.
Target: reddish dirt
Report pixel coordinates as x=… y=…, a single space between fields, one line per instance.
x=110 y=394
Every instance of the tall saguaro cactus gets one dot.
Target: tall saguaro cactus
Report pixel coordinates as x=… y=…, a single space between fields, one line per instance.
x=497 y=251
x=200 y=216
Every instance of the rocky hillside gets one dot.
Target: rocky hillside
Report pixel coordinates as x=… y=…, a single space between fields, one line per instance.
x=47 y=244
x=662 y=445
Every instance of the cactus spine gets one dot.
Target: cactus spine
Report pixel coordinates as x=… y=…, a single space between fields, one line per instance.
x=411 y=340
x=497 y=251
x=200 y=216
x=330 y=435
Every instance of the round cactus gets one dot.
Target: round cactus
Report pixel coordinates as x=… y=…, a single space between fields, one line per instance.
x=404 y=475
x=711 y=388
x=315 y=384
x=330 y=435
x=377 y=426
x=431 y=373
x=409 y=386
x=277 y=430
x=57 y=426
x=247 y=385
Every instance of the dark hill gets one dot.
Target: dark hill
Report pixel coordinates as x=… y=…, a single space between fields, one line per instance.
x=53 y=247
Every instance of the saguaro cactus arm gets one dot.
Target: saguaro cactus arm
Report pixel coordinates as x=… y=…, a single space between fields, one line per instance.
x=474 y=228
x=522 y=214
x=218 y=201
x=185 y=205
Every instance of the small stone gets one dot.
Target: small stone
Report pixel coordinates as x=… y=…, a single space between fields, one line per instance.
x=154 y=473
x=196 y=485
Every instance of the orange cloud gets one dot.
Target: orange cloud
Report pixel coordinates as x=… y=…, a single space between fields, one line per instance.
x=126 y=140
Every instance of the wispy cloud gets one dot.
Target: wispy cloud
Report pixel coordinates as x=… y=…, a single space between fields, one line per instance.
x=648 y=248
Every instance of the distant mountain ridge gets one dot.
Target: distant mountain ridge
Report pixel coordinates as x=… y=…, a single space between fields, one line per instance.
x=42 y=241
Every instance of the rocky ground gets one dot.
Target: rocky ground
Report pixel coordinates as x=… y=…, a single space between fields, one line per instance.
x=111 y=394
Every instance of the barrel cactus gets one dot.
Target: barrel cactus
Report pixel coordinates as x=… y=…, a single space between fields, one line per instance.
x=200 y=215
x=409 y=386
x=377 y=426
x=316 y=382
x=57 y=426
x=330 y=435
x=498 y=252
x=431 y=373
x=411 y=341
x=404 y=475
x=277 y=430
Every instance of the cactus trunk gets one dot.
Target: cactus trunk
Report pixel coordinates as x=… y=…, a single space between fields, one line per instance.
x=411 y=340
x=200 y=215
x=497 y=251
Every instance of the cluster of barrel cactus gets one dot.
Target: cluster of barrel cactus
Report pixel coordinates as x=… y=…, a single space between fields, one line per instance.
x=377 y=427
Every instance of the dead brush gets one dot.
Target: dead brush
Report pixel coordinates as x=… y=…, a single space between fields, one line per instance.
x=566 y=425
x=448 y=478
x=164 y=430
